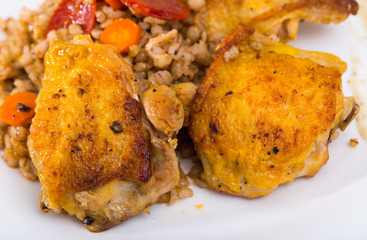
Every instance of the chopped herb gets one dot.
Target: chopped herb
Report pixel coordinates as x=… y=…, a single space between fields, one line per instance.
x=89 y=220
x=81 y=91
x=275 y=150
x=23 y=108
x=116 y=127
x=213 y=128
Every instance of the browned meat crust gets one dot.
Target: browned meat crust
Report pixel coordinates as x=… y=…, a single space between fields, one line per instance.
x=264 y=116
x=278 y=18
x=88 y=128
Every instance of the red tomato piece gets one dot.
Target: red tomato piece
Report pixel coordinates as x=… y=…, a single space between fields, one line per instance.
x=164 y=9
x=74 y=12
x=115 y=4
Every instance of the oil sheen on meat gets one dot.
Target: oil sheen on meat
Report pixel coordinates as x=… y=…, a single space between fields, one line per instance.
x=265 y=117
x=93 y=148
x=279 y=18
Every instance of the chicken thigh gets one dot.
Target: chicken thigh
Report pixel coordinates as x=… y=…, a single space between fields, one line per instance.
x=274 y=17
x=96 y=154
x=264 y=116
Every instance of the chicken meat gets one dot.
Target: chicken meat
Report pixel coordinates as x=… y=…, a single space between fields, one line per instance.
x=97 y=155
x=264 y=115
x=277 y=18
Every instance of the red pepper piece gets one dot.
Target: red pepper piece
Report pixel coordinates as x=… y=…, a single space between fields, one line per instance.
x=164 y=9
x=74 y=12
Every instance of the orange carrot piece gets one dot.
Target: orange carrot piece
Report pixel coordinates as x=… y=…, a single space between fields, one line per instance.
x=18 y=108
x=121 y=33
x=115 y=4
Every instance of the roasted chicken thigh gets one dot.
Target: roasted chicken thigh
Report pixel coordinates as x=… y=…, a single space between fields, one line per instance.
x=264 y=116
x=277 y=18
x=96 y=154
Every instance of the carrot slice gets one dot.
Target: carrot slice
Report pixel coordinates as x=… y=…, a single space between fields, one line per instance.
x=18 y=108
x=74 y=12
x=121 y=33
x=115 y=4
x=164 y=9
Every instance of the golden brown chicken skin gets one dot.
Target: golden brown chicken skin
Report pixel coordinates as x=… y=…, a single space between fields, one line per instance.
x=265 y=116
x=277 y=18
x=96 y=154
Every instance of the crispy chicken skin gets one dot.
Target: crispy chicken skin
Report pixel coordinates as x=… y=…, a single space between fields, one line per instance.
x=277 y=18
x=96 y=154
x=265 y=117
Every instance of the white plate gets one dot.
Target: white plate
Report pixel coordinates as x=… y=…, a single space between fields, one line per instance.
x=331 y=205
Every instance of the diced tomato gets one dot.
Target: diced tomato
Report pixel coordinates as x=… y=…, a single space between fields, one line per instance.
x=115 y=4
x=74 y=12
x=164 y=9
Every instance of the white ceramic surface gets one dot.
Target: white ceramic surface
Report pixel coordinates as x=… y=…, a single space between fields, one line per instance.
x=331 y=205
